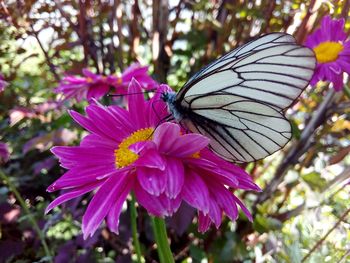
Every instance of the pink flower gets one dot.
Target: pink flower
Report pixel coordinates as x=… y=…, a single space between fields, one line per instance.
x=87 y=87
x=129 y=151
x=138 y=72
x=45 y=141
x=4 y=152
x=46 y=164
x=95 y=86
x=3 y=83
x=332 y=50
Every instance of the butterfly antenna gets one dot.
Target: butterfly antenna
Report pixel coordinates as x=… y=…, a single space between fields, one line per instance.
x=134 y=93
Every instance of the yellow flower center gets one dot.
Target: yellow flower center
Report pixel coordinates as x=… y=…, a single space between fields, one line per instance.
x=119 y=81
x=123 y=155
x=196 y=155
x=89 y=80
x=328 y=51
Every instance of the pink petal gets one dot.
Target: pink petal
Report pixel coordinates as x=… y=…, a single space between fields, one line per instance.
x=224 y=198
x=136 y=104
x=149 y=202
x=195 y=192
x=188 y=144
x=151 y=159
x=159 y=206
x=72 y=156
x=72 y=194
x=95 y=140
x=97 y=91
x=106 y=122
x=80 y=176
x=215 y=212
x=116 y=209
x=85 y=122
x=142 y=147
x=245 y=210
x=100 y=205
x=175 y=177
x=122 y=116
x=152 y=180
x=165 y=136
x=203 y=222
x=89 y=73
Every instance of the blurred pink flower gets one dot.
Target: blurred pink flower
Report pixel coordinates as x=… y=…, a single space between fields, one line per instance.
x=129 y=151
x=4 y=152
x=45 y=141
x=36 y=111
x=19 y=113
x=332 y=50
x=138 y=72
x=46 y=106
x=3 y=83
x=95 y=86
x=45 y=164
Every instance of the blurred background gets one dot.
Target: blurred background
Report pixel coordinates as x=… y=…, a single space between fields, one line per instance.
x=302 y=214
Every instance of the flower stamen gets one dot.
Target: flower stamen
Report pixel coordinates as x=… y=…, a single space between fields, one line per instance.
x=328 y=51
x=123 y=155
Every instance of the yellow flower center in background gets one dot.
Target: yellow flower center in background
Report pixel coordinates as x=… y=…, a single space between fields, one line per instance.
x=89 y=80
x=123 y=155
x=328 y=51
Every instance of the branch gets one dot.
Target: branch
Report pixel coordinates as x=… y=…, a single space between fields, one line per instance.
x=161 y=60
x=119 y=13
x=47 y=57
x=111 y=46
x=135 y=34
x=341 y=219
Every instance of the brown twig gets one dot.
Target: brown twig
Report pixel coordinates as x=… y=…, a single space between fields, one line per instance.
x=135 y=34
x=265 y=28
x=118 y=12
x=111 y=46
x=343 y=258
x=47 y=57
x=341 y=219
x=174 y=22
x=305 y=26
x=161 y=60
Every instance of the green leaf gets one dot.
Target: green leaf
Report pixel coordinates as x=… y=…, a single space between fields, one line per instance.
x=295 y=130
x=314 y=180
x=197 y=254
x=264 y=224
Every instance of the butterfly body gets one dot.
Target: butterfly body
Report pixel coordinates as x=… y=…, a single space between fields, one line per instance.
x=238 y=101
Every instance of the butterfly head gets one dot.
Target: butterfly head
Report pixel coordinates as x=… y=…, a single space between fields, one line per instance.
x=169 y=98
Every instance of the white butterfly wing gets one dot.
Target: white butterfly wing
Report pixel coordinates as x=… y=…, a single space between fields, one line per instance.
x=241 y=130
x=238 y=100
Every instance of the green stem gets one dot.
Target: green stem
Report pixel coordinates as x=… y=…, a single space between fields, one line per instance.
x=159 y=230
x=346 y=90
x=28 y=213
x=135 y=237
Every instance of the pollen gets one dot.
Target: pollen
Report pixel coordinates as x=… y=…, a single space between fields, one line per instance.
x=328 y=51
x=196 y=155
x=123 y=155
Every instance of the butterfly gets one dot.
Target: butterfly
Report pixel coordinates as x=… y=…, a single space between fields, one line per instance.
x=238 y=101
